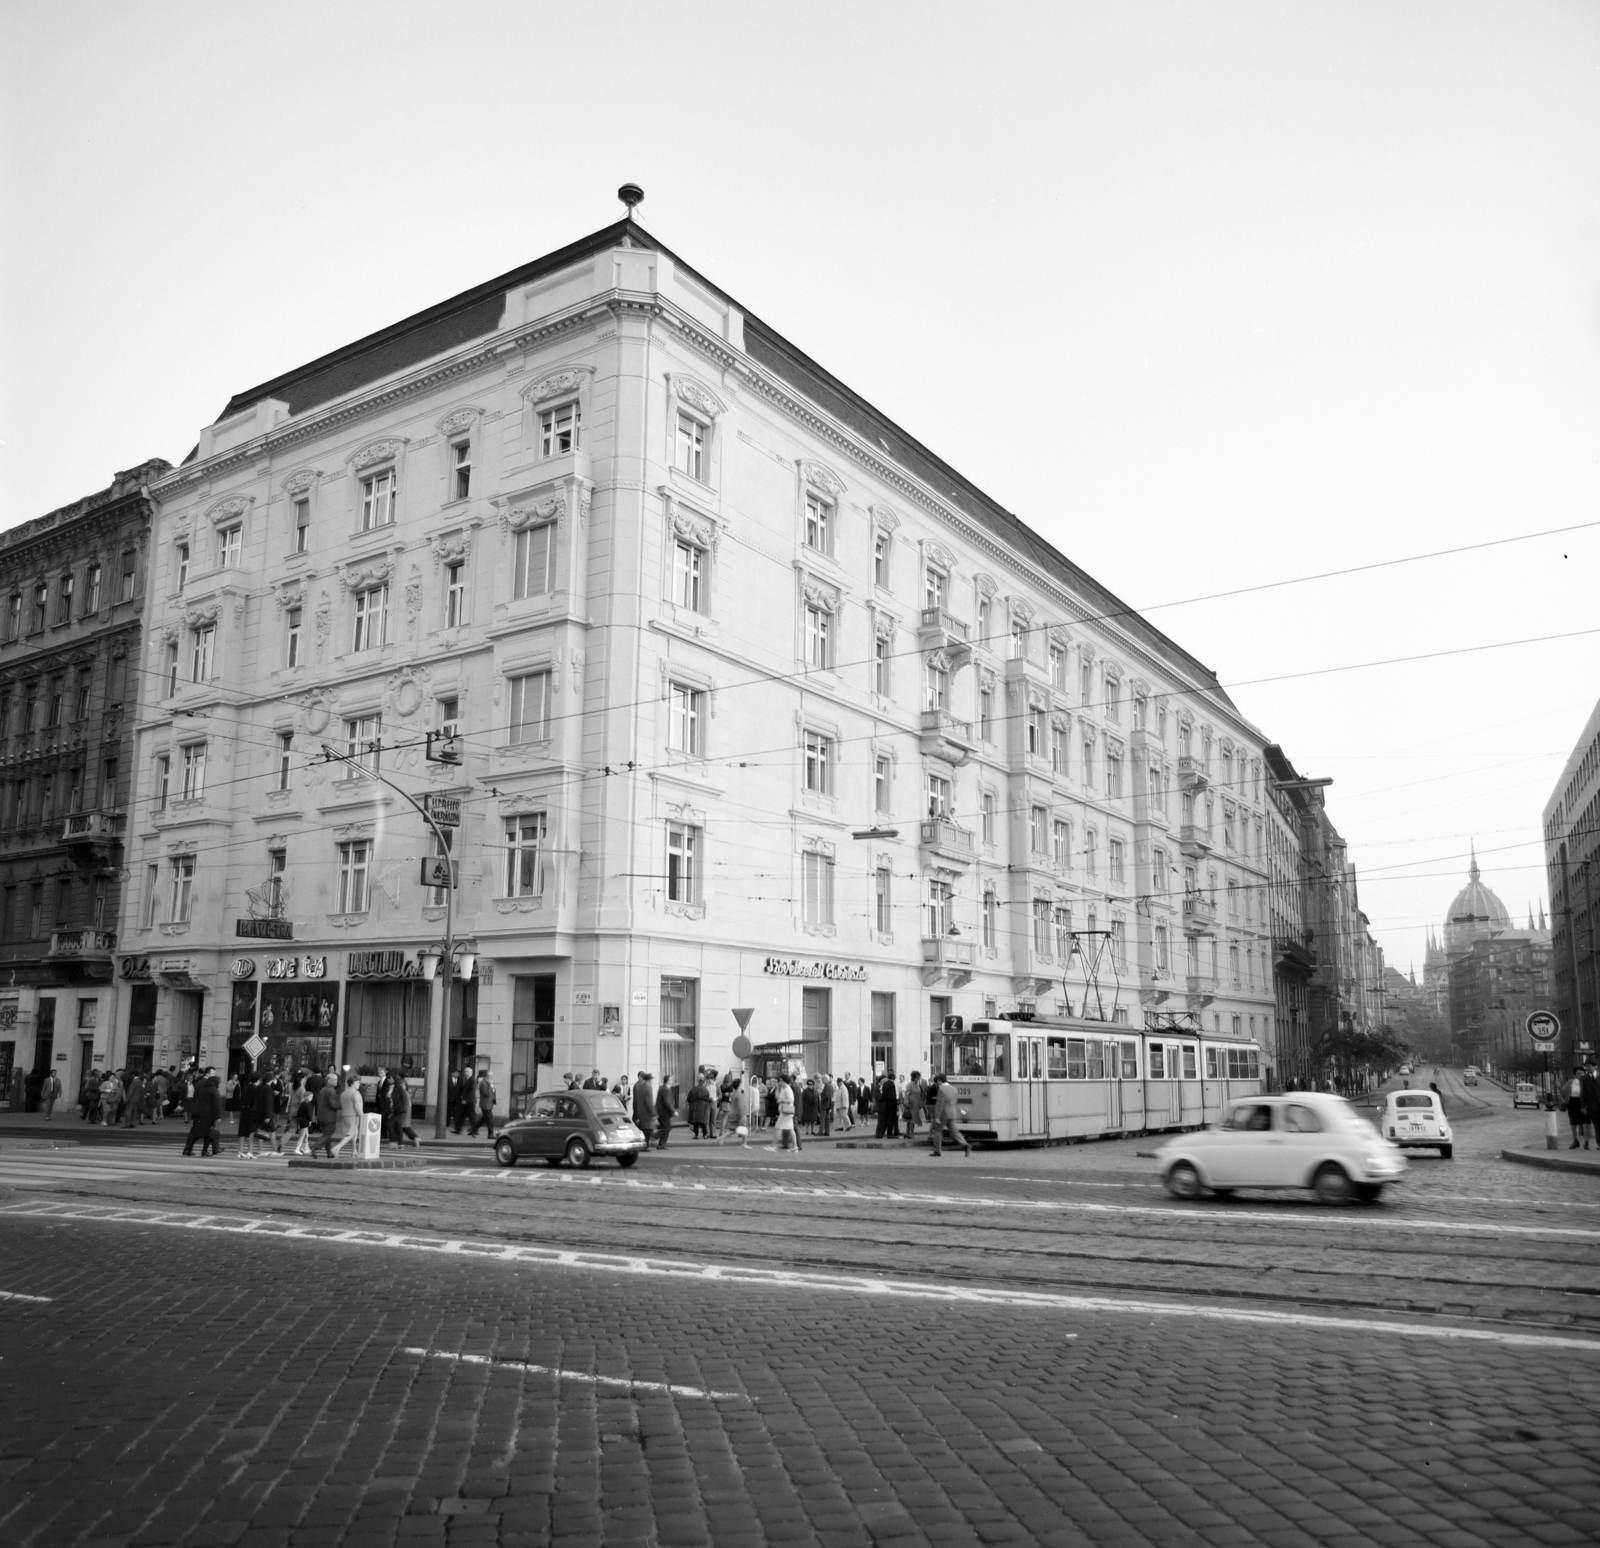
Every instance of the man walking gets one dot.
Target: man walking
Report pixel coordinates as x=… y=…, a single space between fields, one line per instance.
x=485 y=1095
x=596 y=1082
x=947 y=1115
x=786 y=1129
x=644 y=1106
x=915 y=1104
x=666 y=1111
x=205 y=1110
x=50 y=1094
x=326 y=1107
x=352 y=1113
x=1590 y=1084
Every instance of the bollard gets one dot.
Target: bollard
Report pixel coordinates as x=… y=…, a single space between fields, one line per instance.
x=1552 y=1137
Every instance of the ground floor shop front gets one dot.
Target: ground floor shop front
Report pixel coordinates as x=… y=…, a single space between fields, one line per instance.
x=52 y=1028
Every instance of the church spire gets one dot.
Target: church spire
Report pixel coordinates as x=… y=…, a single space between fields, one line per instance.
x=1472 y=872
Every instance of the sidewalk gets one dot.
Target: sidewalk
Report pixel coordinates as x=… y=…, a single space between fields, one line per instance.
x=1563 y=1160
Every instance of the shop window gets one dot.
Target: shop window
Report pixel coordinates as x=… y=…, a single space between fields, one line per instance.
x=533 y=1034
x=883 y=1025
x=680 y=1004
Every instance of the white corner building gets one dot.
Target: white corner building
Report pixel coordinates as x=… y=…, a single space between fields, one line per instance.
x=760 y=706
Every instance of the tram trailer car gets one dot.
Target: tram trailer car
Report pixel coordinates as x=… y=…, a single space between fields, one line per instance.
x=1063 y=1078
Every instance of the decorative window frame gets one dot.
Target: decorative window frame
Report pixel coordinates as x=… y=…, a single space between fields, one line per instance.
x=820 y=592
x=546 y=658
x=816 y=478
x=882 y=521
x=462 y=424
x=689 y=816
x=702 y=683
x=564 y=384
x=302 y=484
x=686 y=522
x=813 y=844
x=690 y=396
x=369 y=460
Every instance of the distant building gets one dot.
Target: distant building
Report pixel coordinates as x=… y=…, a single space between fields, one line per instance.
x=72 y=601
x=1495 y=984
x=1572 y=859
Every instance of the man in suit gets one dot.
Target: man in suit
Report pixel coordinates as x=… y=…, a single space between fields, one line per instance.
x=644 y=1105
x=596 y=1082
x=947 y=1115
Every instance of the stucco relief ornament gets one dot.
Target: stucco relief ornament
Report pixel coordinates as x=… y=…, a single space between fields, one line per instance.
x=940 y=555
x=553 y=385
x=823 y=478
x=323 y=622
x=451 y=550
x=883 y=626
x=413 y=601
x=228 y=510
x=551 y=508
x=406 y=690
x=702 y=533
x=299 y=482
x=986 y=584
x=200 y=617
x=698 y=396
x=820 y=598
x=457 y=422
x=884 y=517
x=1021 y=607
x=364 y=577
x=291 y=596
x=378 y=451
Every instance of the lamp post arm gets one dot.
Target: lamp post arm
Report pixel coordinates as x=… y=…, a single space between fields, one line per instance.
x=441 y=1085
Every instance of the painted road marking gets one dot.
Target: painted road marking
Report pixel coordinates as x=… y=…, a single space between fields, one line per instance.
x=17 y=1295
x=740 y=1274
x=626 y=1382
x=1209 y=1215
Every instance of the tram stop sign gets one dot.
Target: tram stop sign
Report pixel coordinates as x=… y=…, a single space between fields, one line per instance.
x=1543 y=1027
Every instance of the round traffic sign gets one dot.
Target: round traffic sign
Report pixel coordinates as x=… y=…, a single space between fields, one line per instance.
x=741 y=1047
x=1543 y=1027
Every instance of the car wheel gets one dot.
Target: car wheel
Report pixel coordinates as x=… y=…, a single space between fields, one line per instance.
x=628 y=1160
x=1369 y=1193
x=505 y=1152
x=1446 y=1152
x=1182 y=1181
x=1331 y=1184
x=577 y=1152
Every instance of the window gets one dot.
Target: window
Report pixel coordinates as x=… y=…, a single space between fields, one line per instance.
x=986 y=712
x=170 y=668
x=940 y=796
x=881 y=784
x=1091 y=858
x=1038 y=831
x=277 y=866
x=194 y=771
x=53 y=703
x=1113 y=697
x=1141 y=709
x=882 y=901
x=182 y=888
x=1041 y=927
x=819 y=637
x=985 y=606
x=1158 y=1062
x=152 y=896
x=683 y=726
x=372 y=619
x=74 y=790
x=940 y=896
x=455 y=594
x=64 y=600
x=1189 y=1068
x=378 y=492
x=819 y=763
x=530 y=707
x=448 y=714
x=689 y=449
x=880 y=664
x=1233 y=967
x=183 y=565
x=14 y=616
x=1058 y=749
x=525 y=835
x=80 y=697
x=560 y=430
x=819 y=524
x=201 y=642
x=129 y=563
x=683 y=863
x=229 y=543
x=688 y=562
x=933 y=590
x=1233 y=899
x=1036 y=732
x=285 y=753
x=880 y=558
x=986 y=816
x=461 y=470
x=301 y=512
x=1058 y=668
x=680 y=999
x=355 y=864
x=108 y=783
x=163 y=782
x=36 y=910
x=1063 y=934
x=1114 y=774
x=1114 y=854
x=47 y=799
x=533 y=561
x=1227 y=827
x=363 y=737
x=91 y=590
x=1158 y=871
x=937 y=685
x=292 y=644
x=1019 y=640
x=1088 y=759
x=816 y=900
x=41 y=605
x=991 y=918
x=1119 y=943
x=1063 y=845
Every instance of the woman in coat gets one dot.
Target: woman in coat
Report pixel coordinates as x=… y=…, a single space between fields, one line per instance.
x=701 y=1109
x=352 y=1111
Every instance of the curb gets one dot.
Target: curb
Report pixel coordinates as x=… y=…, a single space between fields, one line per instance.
x=383 y=1164
x=1551 y=1161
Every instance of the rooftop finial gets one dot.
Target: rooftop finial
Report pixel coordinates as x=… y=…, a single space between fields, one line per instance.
x=630 y=194
x=1473 y=871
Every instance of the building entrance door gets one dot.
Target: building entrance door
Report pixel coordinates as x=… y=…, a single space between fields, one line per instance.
x=533 y=1035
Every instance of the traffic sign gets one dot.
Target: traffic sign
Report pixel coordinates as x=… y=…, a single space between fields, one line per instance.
x=1543 y=1027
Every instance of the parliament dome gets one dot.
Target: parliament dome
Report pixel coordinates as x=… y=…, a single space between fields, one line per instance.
x=1474 y=913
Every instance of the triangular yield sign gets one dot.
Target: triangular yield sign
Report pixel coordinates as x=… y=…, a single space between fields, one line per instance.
x=742 y=1015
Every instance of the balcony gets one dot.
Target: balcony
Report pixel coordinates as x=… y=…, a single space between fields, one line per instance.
x=1194 y=840
x=938 y=630
x=946 y=960
x=1199 y=914
x=92 y=828
x=1191 y=774
x=1200 y=989
x=1294 y=959
x=84 y=953
x=940 y=837
x=943 y=736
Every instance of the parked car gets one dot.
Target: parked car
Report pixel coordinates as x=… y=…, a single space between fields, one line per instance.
x=1405 y=1069
x=1298 y=1139
x=1470 y=1078
x=1412 y=1119
x=572 y=1126
x=1525 y=1095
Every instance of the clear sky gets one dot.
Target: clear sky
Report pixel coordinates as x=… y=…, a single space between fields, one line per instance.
x=1213 y=295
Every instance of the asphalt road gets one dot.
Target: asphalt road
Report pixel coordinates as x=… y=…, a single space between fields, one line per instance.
x=844 y=1347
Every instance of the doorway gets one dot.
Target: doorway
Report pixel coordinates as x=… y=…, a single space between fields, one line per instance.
x=533 y=1034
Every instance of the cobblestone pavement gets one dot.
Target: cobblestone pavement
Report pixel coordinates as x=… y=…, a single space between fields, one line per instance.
x=844 y=1347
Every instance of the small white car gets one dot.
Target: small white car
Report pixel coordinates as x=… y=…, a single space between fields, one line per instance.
x=1415 y=1119
x=1298 y=1139
x=1470 y=1078
x=1525 y=1095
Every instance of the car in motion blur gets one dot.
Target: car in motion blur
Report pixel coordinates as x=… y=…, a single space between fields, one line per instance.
x=1296 y=1139
x=1412 y=1119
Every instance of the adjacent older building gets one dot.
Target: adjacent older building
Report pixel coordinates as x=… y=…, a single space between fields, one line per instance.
x=1572 y=861
x=1497 y=981
x=72 y=590
x=744 y=701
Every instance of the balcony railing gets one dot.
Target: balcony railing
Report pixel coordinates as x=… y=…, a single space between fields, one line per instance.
x=935 y=621
x=943 y=837
x=943 y=736
x=943 y=951
x=1193 y=839
x=1199 y=912
x=91 y=827
x=1192 y=774
x=83 y=943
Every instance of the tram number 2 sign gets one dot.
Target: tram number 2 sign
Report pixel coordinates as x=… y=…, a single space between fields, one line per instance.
x=1543 y=1027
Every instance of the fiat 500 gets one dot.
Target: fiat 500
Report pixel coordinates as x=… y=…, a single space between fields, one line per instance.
x=571 y=1126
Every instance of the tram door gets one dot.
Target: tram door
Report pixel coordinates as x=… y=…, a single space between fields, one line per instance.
x=1033 y=1115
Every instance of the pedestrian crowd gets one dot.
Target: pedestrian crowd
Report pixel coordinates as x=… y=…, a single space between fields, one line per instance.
x=1583 y=1105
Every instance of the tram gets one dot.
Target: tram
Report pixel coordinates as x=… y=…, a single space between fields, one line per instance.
x=1064 y=1078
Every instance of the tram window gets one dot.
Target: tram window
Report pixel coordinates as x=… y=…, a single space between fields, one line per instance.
x=1075 y=1060
x=1211 y=1064
x=1244 y=1064
x=972 y=1055
x=1002 y=1048
x=1189 y=1070
x=1130 y=1061
x=1038 y=1068
x=1055 y=1052
x=1158 y=1062
x=1097 y=1059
